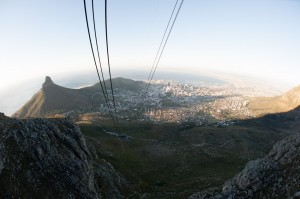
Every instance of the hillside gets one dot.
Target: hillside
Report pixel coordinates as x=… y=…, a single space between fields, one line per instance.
x=283 y=103
x=157 y=160
x=52 y=98
x=49 y=158
x=277 y=175
x=173 y=161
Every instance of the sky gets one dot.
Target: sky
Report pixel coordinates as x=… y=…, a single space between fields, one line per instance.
x=259 y=38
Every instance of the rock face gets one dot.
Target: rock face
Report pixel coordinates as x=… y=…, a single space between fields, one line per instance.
x=275 y=176
x=49 y=158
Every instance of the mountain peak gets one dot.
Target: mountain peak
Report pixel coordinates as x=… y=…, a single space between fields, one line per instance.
x=48 y=81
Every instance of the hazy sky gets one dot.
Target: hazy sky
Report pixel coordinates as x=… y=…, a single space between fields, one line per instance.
x=254 y=37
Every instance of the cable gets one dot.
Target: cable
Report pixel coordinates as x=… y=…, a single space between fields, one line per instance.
x=108 y=62
x=162 y=41
x=166 y=40
x=96 y=39
x=91 y=44
x=144 y=91
x=148 y=85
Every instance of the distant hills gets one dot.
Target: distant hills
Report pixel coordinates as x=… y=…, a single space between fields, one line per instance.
x=52 y=98
x=283 y=103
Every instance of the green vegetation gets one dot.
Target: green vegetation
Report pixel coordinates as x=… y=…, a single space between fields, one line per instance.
x=168 y=161
x=169 y=103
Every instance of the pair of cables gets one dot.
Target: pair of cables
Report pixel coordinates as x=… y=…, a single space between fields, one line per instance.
x=112 y=110
x=168 y=30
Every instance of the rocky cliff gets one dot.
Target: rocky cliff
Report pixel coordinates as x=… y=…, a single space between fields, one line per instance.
x=275 y=176
x=49 y=158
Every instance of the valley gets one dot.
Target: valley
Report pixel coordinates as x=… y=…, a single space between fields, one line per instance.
x=170 y=160
x=182 y=139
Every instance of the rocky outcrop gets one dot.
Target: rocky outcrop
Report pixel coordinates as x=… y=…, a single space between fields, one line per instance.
x=49 y=158
x=48 y=82
x=275 y=176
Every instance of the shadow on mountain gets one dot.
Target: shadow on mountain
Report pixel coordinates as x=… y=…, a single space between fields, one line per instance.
x=174 y=161
x=276 y=175
x=287 y=121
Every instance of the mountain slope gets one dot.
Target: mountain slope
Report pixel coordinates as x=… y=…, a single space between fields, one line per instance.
x=49 y=158
x=176 y=160
x=275 y=176
x=282 y=103
x=52 y=98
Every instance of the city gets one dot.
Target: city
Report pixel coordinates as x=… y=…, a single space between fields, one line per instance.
x=176 y=102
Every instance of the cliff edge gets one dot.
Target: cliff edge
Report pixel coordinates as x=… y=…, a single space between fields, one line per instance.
x=49 y=158
x=275 y=176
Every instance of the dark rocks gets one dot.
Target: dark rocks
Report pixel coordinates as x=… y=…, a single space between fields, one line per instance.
x=275 y=176
x=3 y=117
x=48 y=81
x=49 y=158
x=286 y=151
